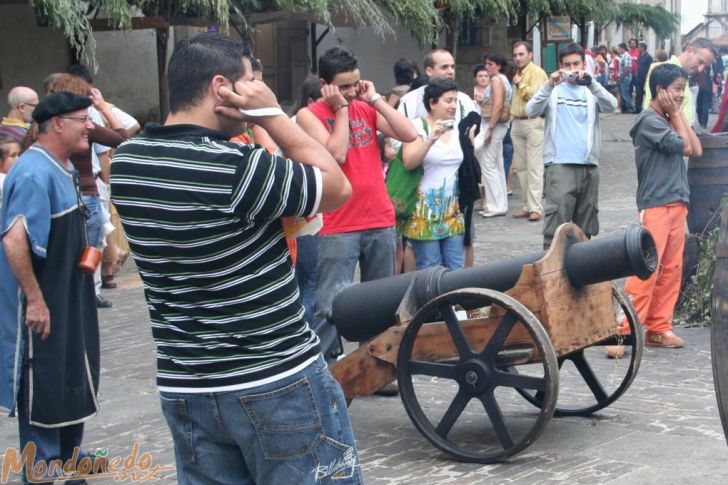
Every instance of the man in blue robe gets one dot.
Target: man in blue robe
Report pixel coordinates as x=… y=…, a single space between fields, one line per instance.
x=49 y=336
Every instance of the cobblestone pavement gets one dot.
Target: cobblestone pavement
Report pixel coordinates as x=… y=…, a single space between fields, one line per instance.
x=664 y=430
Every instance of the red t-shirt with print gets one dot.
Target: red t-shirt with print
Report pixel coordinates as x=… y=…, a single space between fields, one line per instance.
x=369 y=206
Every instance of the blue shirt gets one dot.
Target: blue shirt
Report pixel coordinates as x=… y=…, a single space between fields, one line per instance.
x=571 y=124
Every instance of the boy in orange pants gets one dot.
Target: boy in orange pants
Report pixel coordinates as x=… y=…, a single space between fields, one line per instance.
x=662 y=136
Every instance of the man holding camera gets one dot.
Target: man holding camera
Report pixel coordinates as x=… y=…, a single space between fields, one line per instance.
x=571 y=102
x=48 y=322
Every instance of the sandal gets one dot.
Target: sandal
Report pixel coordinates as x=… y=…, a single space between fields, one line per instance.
x=107 y=282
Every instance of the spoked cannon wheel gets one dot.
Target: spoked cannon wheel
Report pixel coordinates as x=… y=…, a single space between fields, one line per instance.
x=450 y=372
x=590 y=381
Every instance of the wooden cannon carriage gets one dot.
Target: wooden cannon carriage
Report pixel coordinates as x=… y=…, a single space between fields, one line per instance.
x=495 y=340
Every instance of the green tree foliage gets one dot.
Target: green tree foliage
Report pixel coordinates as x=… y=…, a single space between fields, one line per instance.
x=420 y=17
x=588 y=9
x=634 y=15
x=662 y=22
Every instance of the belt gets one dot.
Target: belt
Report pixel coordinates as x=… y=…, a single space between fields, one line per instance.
x=527 y=117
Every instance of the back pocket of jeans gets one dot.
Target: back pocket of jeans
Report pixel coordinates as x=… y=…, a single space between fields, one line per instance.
x=286 y=420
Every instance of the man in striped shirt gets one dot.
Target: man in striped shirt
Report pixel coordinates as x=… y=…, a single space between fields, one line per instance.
x=244 y=388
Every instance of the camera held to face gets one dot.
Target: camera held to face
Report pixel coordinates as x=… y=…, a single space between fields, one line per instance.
x=572 y=76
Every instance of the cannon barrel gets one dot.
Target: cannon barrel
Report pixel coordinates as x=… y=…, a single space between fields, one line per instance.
x=364 y=310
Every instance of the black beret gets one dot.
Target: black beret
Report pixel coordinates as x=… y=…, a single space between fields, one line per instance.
x=57 y=104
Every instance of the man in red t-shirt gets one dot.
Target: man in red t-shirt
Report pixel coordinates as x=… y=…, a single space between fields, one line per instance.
x=345 y=120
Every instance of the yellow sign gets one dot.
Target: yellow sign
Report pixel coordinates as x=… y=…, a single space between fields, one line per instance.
x=135 y=467
x=558 y=29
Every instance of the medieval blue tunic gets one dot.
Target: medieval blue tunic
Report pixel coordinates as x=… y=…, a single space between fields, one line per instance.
x=63 y=370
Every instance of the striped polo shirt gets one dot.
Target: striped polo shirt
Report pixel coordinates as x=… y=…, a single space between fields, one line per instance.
x=202 y=216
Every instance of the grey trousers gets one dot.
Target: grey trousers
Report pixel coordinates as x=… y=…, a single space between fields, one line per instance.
x=571 y=194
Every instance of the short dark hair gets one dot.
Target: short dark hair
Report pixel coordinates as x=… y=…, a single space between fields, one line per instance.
x=435 y=89
x=570 y=49
x=703 y=43
x=335 y=61
x=405 y=71
x=523 y=43
x=310 y=89
x=420 y=81
x=632 y=39
x=256 y=65
x=195 y=61
x=478 y=68
x=498 y=59
x=81 y=71
x=430 y=57
x=622 y=45
x=643 y=45
x=664 y=75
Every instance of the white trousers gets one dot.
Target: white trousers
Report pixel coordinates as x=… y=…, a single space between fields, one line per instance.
x=490 y=158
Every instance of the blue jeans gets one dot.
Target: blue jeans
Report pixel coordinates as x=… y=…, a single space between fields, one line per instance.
x=295 y=430
x=94 y=220
x=448 y=252
x=306 y=269
x=624 y=91
x=374 y=249
x=507 y=152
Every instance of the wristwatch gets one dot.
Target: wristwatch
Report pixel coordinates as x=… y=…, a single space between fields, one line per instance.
x=375 y=98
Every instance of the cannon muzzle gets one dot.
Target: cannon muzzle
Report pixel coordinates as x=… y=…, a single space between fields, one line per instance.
x=364 y=310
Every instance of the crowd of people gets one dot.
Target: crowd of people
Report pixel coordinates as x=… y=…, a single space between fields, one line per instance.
x=624 y=71
x=245 y=221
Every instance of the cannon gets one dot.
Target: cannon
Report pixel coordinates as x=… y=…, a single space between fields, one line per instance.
x=496 y=338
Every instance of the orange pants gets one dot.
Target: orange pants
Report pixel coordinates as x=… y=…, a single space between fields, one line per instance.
x=655 y=298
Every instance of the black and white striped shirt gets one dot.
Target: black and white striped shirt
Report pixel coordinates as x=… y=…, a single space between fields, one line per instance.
x=202 y=216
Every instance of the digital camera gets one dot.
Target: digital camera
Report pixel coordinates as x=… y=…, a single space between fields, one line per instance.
x=448 y=124
x=568 y=76
x=584 y=80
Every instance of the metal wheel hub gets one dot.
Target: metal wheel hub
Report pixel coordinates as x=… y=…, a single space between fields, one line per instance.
x=475 y=376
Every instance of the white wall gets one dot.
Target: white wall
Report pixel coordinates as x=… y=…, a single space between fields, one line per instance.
x=376 y=55
x=22 y=60
x=127 y=71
